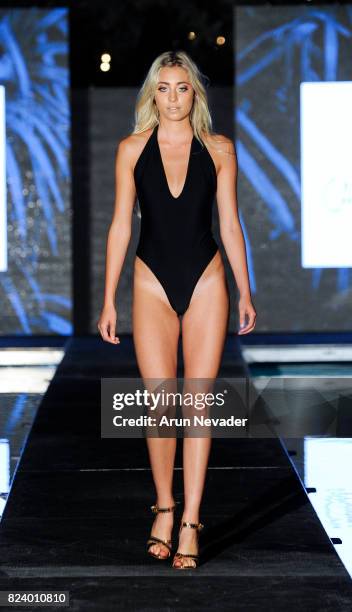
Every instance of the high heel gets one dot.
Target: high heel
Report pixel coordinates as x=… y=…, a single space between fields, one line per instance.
x=181 y=556
x=154 y=540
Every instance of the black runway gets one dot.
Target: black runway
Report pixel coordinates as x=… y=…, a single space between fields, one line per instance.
x=78 y=515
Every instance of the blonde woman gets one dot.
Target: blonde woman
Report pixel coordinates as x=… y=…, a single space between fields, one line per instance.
x=176 y=166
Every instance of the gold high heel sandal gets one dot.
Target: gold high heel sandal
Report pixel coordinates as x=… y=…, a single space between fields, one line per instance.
x=181 y=556
x=154 y=540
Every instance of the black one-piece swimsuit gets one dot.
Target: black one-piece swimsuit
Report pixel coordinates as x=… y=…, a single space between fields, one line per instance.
x=176 y=240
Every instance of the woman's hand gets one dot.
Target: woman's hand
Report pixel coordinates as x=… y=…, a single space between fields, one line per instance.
x=246 y=307
x=107 y=324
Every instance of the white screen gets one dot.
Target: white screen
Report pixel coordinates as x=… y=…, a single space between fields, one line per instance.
x=326 y=174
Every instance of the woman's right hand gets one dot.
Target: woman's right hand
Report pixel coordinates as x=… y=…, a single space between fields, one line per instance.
x=107 y=324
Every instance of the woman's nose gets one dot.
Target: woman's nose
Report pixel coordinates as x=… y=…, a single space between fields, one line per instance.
x=172 y=96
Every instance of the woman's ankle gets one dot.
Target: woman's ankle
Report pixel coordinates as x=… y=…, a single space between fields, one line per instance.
x=190 y=516
x=165 y=502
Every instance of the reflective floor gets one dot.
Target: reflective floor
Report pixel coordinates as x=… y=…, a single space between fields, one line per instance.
x=25 y=375
x=323 y=463
x=77 y=513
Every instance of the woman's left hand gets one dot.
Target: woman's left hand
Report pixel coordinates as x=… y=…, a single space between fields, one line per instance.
x=246 y=307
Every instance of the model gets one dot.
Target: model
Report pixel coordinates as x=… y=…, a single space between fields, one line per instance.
x=176 y=166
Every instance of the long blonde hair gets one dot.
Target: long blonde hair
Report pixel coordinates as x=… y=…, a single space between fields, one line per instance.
x=146 y=111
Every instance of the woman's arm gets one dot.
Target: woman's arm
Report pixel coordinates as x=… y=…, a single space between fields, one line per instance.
x=231 y=230
x=119 y=235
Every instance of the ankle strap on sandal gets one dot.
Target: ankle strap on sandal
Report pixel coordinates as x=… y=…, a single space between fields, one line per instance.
x=197 y=526
x=155 y=509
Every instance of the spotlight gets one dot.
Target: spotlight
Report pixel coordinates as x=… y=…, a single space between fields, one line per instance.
x=191 y=35
x=104 y=66
x=106 y=57
x=220 y=40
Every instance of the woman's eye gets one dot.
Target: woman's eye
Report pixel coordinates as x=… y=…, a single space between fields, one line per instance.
x=180 y=89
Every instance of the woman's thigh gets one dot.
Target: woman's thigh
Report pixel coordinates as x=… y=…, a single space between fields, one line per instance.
x=156 y=326
x=205 y=322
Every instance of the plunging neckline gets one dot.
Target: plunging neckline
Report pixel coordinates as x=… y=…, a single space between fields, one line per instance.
x=163 y=168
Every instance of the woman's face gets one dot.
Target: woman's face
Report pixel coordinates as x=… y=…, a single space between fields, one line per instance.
x=174 y=93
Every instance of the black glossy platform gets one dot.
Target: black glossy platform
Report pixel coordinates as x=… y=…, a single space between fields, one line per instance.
x=78 y=514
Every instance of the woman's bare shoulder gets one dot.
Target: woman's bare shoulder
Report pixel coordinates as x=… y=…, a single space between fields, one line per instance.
x=221 y=149
x=133 y=142
x=219 y=142
x=131 y=146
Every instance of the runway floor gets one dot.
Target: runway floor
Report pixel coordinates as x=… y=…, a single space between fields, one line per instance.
x=78 y=515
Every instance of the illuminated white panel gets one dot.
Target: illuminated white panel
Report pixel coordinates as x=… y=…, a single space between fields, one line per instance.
x=26 y=380
x=4 y=472
x=3 y=212
x=326 y=174
x=4 y=466
x=36 y=356
x=327 y=467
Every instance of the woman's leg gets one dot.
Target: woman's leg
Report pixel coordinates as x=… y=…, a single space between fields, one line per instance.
x=204 y=328
x=156 y=329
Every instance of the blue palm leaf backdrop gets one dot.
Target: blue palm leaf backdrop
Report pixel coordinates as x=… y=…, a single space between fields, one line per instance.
x=278 y=48
x=35 y=286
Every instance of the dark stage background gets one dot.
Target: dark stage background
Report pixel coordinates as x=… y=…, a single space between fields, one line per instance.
x=277 y=49
x=63 y=139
